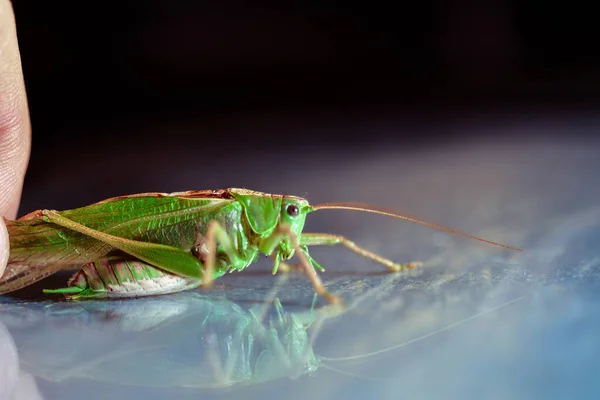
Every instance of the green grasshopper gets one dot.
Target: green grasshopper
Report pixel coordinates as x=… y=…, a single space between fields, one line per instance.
x=158 y=243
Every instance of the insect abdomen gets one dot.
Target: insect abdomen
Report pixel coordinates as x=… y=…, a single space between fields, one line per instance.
x=125 y=278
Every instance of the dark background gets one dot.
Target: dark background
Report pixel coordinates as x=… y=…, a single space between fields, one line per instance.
x=254 y=79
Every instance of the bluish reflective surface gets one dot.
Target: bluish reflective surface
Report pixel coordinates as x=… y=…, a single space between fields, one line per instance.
x=475 y=322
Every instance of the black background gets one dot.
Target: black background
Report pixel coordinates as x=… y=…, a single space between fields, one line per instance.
x=233 y=78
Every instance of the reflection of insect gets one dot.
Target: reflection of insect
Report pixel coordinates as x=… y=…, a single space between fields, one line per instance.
x=156 y=243
x=187 y=340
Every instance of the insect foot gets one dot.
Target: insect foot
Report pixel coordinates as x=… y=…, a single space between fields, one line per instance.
x=402 y=267
x=332 y=298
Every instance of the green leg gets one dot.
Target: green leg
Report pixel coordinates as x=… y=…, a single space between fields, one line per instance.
x=325 y=239
x=285 y=267
x=171 y=259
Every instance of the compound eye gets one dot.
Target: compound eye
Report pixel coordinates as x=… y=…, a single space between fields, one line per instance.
x=292 y=210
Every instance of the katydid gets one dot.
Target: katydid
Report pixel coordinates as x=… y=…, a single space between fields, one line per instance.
x=158 y=243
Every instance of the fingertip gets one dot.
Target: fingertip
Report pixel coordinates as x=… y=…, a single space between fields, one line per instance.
x=15 y=127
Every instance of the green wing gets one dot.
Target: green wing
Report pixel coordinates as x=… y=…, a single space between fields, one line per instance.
x=39 y=248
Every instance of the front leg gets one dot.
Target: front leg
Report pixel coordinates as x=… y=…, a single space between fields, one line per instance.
x=320 y=239
x=306 y=264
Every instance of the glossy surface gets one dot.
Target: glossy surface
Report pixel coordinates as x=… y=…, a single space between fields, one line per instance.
x=475 y=322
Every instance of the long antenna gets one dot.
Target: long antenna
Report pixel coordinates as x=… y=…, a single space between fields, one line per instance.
x=379 y=210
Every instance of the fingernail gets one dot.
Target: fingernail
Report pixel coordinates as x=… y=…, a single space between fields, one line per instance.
x=4 y=246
